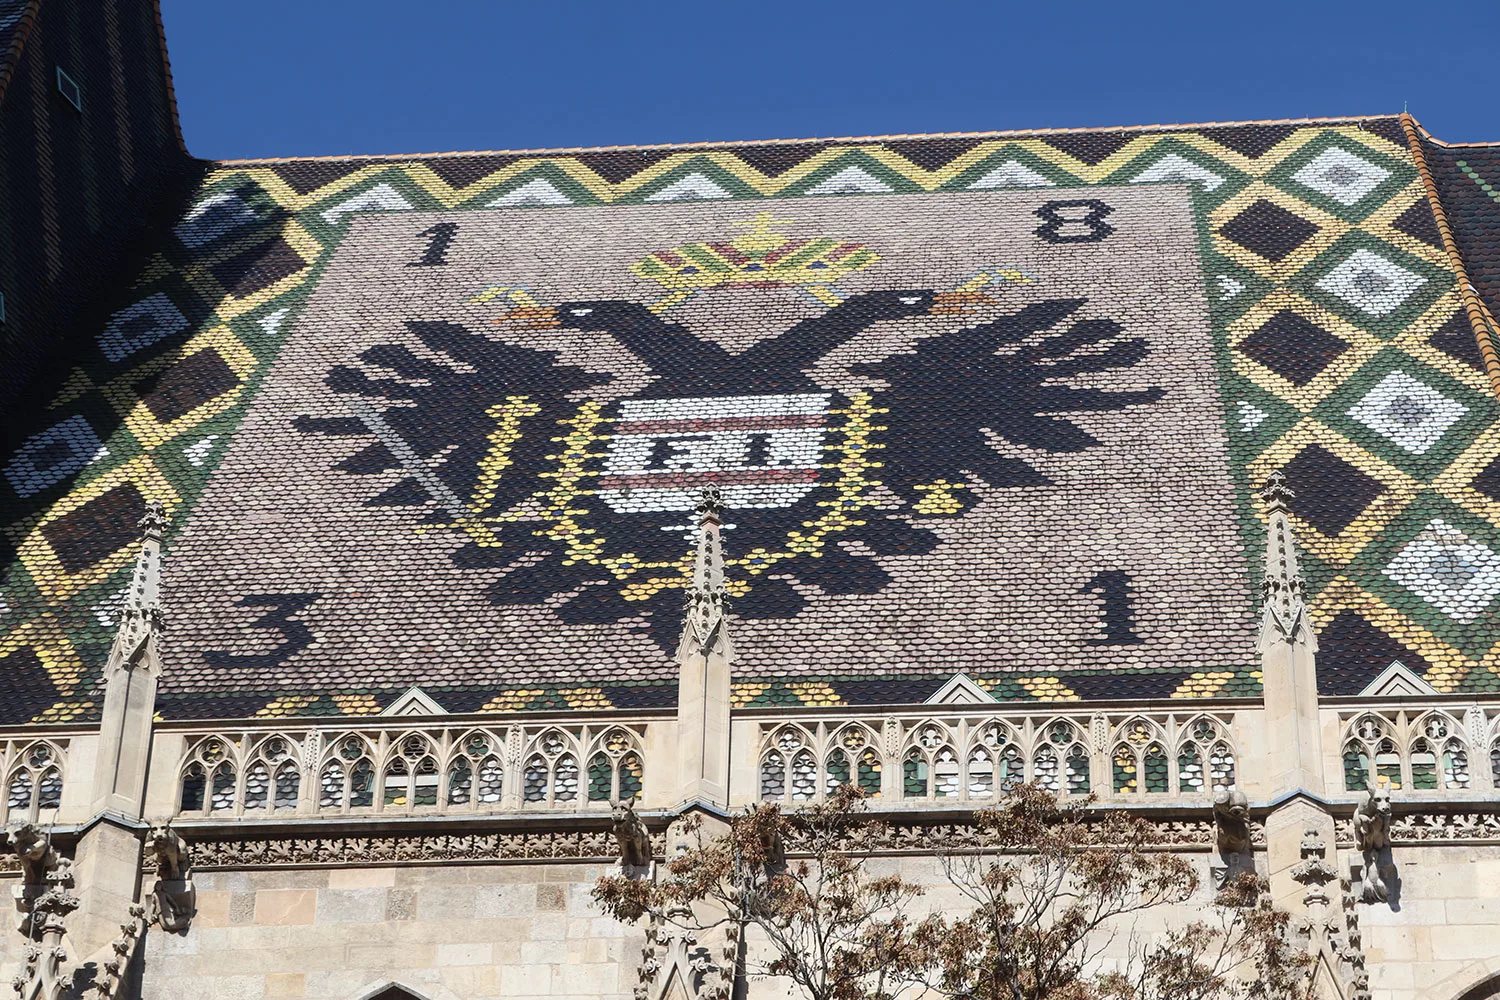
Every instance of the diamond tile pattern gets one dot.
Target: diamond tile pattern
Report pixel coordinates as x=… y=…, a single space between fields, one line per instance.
x=1293 y=347
x=1371 y=283
x=1338 y=174
x=1455 y=338
x=52 y=455
x=249 y=252
x=1488 y=481
x=1419 y=223
x=30 y=688
x=90 y=533
x=1267 y=229
x=187 y=385
x=1450 y=570
x=1330 y=492
x=1352 y=652
x=258 y=267
x=1409 y=412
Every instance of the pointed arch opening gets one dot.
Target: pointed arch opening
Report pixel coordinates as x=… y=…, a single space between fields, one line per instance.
x=389 y=991
x=1486 y=989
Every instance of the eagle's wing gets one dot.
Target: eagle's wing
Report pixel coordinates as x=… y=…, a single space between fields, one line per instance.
x=1008 y=377
x=445 y=413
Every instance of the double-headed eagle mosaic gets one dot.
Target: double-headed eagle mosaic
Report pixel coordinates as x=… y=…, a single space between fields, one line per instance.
x=585 y=505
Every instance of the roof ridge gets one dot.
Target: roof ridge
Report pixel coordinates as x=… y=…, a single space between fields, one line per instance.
x=166 y=70
x=1429 y=137
x=1472 y=303
x=731 y=143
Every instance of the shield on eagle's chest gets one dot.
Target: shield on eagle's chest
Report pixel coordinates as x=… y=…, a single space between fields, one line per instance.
x=762 y=451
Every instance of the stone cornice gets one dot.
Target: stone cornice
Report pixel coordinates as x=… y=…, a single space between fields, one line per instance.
x=349 y=849
x=587 y=838
x=556 y=839
x=1413 y=828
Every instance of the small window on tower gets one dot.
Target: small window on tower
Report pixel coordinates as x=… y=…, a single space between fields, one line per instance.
x=68 y=87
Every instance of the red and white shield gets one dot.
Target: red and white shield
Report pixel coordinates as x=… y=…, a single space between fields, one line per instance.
x=762 y=451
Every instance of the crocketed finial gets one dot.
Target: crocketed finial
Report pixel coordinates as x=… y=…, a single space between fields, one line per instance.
x=141 y=621
x=706 y=627
x=154 y=521
x=1276 y=493
x=1284 y=615
x=710 y=502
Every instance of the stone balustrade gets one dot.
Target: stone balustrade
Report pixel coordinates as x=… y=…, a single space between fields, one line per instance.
x=1417 y=748
x=909 y=757
x=973 y=755
x=410 y=769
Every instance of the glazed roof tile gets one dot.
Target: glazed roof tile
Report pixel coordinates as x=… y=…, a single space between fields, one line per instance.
x=16 y=19
x=1468 y=181
x=989 y=402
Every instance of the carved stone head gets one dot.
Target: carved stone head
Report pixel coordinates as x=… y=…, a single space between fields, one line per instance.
x=1232 y=805
x=169 y=849
x=33 y=849
x=26 y=841
x=1232 y=823
x=1372 y=830
x=1377 y=803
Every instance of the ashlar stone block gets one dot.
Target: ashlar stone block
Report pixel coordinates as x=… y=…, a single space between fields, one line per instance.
x=351 y=906
x=283 y=906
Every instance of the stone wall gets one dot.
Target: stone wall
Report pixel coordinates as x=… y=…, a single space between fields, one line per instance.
x=461 y=932
x=478 y=932
x=451 y=932
x=1442 y=936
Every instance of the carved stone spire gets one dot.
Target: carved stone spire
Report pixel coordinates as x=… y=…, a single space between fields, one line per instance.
x=706 y=628
x=130 y=677
x=141 y=619
x=704 y=655
x=1293 y=758
x=1283 y=594
x=108 y=853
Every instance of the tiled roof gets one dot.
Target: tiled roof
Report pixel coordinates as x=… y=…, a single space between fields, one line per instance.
x=16 y=17
x=1468 y=183
x=992 y=403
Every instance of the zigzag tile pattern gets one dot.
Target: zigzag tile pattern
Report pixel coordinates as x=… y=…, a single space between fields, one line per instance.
x=1344 y=359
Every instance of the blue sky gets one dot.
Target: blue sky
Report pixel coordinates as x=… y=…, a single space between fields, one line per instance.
x=318 y=77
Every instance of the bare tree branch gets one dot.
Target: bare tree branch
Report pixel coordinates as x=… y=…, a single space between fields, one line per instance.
x=1048 y=888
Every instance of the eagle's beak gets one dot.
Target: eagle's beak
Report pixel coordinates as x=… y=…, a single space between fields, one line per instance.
x=531 y=317
x=956 y=303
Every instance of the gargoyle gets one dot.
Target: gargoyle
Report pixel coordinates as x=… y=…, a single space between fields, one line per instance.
x=1372 y=833
x=1232 y=822
x=38 y=859
x=1231 y=837
x=1372 y=821
x=174 y=900
x=33 y=849
x=631 y=835
x=169 y=850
